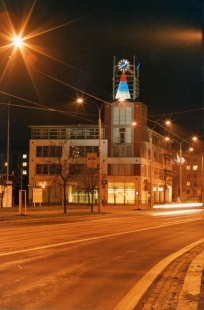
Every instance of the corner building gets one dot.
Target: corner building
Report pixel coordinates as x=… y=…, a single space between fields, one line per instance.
x=135 y=160
x=132 y=169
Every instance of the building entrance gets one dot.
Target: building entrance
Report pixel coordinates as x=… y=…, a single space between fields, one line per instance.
x=121 y=193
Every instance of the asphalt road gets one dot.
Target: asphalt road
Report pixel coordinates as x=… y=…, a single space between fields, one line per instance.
x=85 y=262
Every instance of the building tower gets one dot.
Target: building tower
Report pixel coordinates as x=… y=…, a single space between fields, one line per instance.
x=126 y=141
x=125 y=138
x=123 y=67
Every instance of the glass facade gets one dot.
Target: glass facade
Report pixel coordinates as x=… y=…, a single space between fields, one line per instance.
x=121 y=192
x=66 y=133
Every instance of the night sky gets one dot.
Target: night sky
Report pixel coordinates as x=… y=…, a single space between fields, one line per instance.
x=70 y=47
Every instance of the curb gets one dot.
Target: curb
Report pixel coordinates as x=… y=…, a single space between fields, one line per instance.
x=189 y=296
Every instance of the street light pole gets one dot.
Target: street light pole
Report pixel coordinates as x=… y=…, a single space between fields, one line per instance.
x=180 y=171
x=100 y=160
x=80 y=100
x=8 y=142
x=151 y=174
x=202 y=198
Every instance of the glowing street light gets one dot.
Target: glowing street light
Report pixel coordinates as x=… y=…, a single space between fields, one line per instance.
x=18 y=41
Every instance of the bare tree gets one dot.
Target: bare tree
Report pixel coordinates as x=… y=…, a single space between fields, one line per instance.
x=62 y=165
x=89 y=183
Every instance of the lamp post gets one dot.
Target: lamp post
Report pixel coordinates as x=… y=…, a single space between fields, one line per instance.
x=99 y=108
x=202 y=171
x=8 y=143
x=181 y=161
x=151 y=173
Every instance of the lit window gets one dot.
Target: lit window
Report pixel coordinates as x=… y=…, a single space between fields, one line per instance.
x=188 y=167
x=195 y=167
x=188 y=183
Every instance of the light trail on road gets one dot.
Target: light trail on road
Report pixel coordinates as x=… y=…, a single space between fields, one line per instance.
x=177 y=212
x=93 y=238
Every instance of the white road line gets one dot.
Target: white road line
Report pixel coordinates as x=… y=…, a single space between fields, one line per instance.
x=47 y=246
x=188 y=299
x=130 y=301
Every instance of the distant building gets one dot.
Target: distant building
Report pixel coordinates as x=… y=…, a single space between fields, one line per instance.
x=137 y=162
x=126 y=158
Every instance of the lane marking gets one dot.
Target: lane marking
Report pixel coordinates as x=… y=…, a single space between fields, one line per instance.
x=130 y=301
x=188 y=299
x=47 y=246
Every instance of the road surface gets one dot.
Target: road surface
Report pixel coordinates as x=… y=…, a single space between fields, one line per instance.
x=85 y=262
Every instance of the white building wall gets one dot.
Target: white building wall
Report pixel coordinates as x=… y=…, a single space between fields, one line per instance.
x=41 y=180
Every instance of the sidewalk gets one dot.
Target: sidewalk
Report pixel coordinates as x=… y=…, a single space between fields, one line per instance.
x=37 y=212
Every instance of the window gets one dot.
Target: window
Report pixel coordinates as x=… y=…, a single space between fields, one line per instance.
x=49 y=151
x=188 y=192
x=48 y=169
x=38 y=169
x=45 y=169
x=143 y=170
x=53 y=134
x=122 y=115
x=121 y=169
x=149 y=172
x=156 y=173
x=149 y=154
x=76 y=168
x=128 y=151
x=52 y=168
x=45 y=151
x=155 y=157
x=188 y=183
x=90 y=134
x=161 y=159
x=82 y=151
x=116 y=151
x=55 y=151
x=188 y=167
x=122 y=151
x=122 y=135
x=143 y=151
x=195 y=167
x=161 y=174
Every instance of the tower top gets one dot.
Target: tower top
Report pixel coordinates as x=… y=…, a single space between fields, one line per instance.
x=125 y=71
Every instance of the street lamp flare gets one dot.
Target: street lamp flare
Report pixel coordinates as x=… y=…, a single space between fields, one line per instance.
x=18 y=41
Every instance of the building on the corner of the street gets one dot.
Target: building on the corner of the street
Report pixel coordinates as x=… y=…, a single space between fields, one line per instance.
x=136 y=162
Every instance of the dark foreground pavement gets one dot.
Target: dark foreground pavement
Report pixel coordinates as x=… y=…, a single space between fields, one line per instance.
x=180 y=286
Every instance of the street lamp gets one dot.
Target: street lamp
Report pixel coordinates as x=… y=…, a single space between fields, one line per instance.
x=151 y=173
x=80 y=100
x=181 y=160
x=202 y=171
x=17 y=41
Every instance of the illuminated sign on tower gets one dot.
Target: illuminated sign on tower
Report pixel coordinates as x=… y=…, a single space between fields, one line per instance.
x=125 y=79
